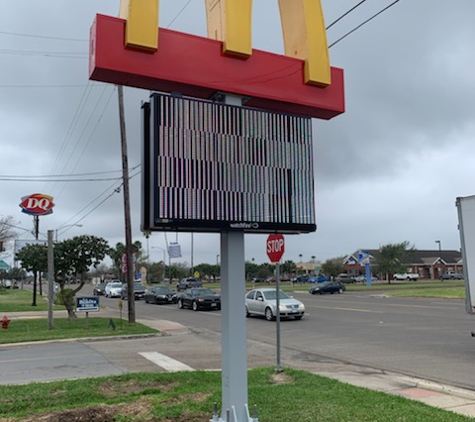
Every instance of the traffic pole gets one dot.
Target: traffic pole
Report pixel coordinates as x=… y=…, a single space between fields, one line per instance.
x=278 y=367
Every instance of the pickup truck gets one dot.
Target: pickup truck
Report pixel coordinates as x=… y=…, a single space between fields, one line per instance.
x=406 y=276
x=450 y=275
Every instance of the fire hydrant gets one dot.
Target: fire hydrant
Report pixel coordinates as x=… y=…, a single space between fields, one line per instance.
x=5 y=322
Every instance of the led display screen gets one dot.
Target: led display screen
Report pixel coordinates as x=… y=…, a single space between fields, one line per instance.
x=209 y=166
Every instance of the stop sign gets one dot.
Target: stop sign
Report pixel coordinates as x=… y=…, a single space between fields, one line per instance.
x=275 y=247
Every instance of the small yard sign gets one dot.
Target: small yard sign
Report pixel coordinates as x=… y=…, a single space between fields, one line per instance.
x=87 y=304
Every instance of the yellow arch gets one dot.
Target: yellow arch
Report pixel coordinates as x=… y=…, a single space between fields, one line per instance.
x=230 y=21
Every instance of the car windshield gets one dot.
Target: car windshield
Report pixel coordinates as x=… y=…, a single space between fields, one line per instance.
x=116 y=284
x=164 y=290
x=201 y=292
x=138 y=286
x=271 y=295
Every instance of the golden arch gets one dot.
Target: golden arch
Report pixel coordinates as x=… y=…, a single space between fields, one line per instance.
x=230 y=21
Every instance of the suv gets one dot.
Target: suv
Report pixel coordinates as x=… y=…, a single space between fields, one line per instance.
x=139 y=291
x=187 y=283
x=345 y=278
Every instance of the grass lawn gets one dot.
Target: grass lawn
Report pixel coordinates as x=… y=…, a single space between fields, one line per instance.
x=17 y=300
x=446 y=289
x=36 y=329
x=189 y=396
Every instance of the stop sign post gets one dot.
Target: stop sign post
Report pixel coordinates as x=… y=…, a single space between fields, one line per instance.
x=275 y=247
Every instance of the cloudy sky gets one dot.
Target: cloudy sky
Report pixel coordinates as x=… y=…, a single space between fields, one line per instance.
x=388 y=170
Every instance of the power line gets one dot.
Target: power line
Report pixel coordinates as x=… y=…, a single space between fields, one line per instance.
x=70 y=175
x=363 y=23
x=344 y=14
x=45 y=37
x=179 y=13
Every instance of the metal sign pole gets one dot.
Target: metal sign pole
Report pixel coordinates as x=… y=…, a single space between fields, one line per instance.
x=278 y=367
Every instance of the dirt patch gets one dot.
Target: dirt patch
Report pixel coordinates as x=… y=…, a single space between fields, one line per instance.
x=140 y=410
x=282 y=378
x=115 y=389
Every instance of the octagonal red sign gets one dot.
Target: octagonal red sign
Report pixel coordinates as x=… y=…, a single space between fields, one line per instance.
x=37 y=204
x=275 y=247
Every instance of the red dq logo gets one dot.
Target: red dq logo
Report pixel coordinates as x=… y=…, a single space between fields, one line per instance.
x=37 y=204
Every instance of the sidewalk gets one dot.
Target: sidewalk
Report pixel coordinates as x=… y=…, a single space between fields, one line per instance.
x=447 y=397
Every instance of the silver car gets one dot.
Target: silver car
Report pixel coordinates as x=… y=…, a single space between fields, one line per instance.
x=263 y=302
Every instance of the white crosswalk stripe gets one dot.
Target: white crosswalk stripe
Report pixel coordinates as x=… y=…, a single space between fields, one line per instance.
x=166 y=362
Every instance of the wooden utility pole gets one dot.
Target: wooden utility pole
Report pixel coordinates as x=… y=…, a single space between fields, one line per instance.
x=128 y=229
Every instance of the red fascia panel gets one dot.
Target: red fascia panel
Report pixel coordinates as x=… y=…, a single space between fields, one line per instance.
x=196 y=67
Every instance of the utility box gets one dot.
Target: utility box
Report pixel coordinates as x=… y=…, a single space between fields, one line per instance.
x=466 y=218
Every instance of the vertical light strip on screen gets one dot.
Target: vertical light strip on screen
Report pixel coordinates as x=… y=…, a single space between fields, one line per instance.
x=217 y=164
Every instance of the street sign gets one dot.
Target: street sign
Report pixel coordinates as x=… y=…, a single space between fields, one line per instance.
x=275 y=247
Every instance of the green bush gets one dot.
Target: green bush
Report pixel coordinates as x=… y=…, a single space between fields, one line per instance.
x=69 y=295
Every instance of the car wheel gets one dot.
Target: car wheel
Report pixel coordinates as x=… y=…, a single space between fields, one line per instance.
x=247 y=313
x=340 y=291
x=155 y=301
x=180 y=304
x=195 y=306
x=269 y=314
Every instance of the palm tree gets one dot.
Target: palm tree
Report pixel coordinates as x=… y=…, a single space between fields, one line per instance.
x=300 y=256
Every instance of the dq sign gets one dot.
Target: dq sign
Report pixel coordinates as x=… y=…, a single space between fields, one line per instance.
x=132 y=50
x=37 y=204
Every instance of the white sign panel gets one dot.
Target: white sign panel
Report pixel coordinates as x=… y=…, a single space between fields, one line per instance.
x=466 y=216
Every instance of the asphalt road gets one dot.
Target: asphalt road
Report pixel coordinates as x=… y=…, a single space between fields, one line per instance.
x=421 y=337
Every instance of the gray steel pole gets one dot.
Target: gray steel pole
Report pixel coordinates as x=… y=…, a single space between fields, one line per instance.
x=233 y=321
x=278 y=367
x=50 y=280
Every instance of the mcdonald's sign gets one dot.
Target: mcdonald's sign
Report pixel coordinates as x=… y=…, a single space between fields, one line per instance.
x=132 y=50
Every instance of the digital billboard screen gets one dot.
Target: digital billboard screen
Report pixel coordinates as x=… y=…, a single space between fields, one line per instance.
x=209 y=166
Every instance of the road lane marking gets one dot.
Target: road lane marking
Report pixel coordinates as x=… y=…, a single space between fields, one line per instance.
x=166 y=362
x=350 y=309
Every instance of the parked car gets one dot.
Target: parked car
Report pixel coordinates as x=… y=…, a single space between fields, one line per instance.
x=362 y=279
x=188 y=283
x=160 y=295
x=139 y=291
x=327 y=287
x=263 y=302
x=113 y=289
x=450 y=275
x=99 y=289
x=317 y=279
x=345 y=278
x=406 y=276
x=258 y=279
x=199 y=298
x=301 y=279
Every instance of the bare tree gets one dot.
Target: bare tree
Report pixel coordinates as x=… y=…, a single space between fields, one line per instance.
x=6 y=230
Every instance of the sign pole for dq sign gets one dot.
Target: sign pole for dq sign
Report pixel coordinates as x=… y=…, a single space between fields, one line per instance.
x=275 y=247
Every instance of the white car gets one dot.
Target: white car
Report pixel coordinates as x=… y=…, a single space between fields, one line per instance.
x=263 y=302
x=113 y=289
